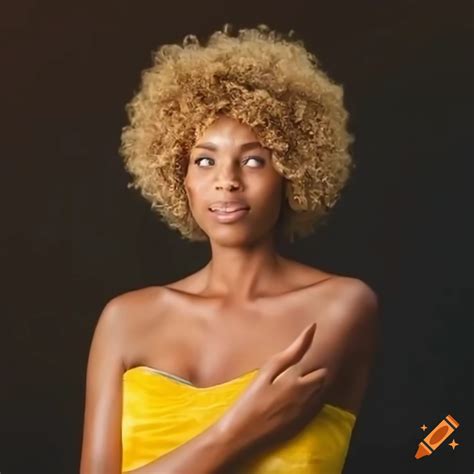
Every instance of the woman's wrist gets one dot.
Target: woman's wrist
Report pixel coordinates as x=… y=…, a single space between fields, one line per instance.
x=224 y=444
x=228 y=440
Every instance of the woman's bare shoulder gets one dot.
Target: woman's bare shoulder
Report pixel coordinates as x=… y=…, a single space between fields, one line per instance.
x=336 y=291
x=133 y=315
x=341 y=284
x=123 y=302
x=132 y=309
x=352 y=290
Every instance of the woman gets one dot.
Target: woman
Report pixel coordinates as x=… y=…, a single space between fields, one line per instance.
x=239 y=143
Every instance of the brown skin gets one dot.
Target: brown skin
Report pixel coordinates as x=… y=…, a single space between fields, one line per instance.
x=228 y=163
x=241 y=311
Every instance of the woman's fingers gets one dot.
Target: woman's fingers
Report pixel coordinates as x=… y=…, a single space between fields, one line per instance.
x=292 y=354
x=317 y=376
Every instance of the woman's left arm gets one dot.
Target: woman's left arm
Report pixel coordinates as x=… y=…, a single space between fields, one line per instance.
x=346 y=336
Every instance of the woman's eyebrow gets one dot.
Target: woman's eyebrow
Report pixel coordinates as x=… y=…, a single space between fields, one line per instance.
x=243 y=147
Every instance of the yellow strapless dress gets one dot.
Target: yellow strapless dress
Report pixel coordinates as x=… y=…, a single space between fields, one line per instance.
x=162 y=411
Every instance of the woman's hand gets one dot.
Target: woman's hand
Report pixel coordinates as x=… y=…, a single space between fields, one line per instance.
x=276 y=402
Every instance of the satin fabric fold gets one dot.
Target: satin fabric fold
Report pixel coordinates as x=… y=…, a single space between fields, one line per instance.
x=161 y=412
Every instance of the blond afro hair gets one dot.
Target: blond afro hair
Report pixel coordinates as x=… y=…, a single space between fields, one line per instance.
x=265 y=80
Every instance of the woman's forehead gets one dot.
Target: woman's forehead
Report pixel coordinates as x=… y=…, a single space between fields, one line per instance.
x=226 y=131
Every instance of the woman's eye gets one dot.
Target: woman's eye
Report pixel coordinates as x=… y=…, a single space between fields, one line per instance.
x=255 y=159
x=199 y=160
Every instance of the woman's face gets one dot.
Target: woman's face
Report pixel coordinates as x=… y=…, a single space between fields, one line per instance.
x=233 y=190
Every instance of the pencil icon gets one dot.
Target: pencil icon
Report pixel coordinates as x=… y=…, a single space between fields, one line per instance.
x=436 y=437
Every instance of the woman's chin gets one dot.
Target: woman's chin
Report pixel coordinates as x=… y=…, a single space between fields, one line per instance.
x=234 y=236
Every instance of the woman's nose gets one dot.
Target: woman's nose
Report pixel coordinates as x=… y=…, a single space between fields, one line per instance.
x=230 y=185
x=227 y=179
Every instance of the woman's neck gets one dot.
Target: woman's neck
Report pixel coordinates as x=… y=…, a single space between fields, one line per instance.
x=242 y=273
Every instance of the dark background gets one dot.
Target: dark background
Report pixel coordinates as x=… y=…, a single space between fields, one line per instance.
x=73 y=235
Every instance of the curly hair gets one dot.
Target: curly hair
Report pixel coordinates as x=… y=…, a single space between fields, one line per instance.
x=263 y=79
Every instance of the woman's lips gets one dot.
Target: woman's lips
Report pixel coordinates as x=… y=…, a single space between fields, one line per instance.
x=232 y=216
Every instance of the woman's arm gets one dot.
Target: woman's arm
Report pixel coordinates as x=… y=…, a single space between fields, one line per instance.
x=102 y=444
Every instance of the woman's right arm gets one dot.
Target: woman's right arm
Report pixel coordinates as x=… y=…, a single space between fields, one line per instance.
x=102 y=444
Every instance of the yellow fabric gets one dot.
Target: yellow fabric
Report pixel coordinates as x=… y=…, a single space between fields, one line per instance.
x=162 y=411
